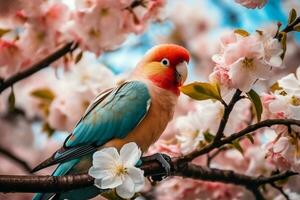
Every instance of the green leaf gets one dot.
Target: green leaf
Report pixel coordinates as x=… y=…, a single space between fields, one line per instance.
x=241 y=32
x=43 y=94
x=11 y=100
x=78 y=57
x=297 y=28
x=254 y=97
x=283 y=36
x=3 y=31
x=47 y=129
x=292 y=16
x=202 y=91
x=251 y=139
x=259 y=32
x=237 y=146
x=208 y=136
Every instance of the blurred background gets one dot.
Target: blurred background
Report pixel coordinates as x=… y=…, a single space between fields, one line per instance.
x=63 y=95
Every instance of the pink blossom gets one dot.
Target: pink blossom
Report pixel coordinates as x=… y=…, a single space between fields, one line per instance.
x=252 y=3
x=10 y=58
x=281 y=153
x=182 y=188
x=165 y=146
x=43 y=33
x=245 y=59
x=138 y=17
x=99 y=26
x=221 y=76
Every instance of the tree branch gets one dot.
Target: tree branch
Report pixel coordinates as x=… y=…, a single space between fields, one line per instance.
x=16 y=159
x=69 y=47
x=290 y=27
x=254 y=127
x=236 y=97
x=231 y=138
x=9 y=183
x=280 y=190
x=287 y=29
x=214 y=154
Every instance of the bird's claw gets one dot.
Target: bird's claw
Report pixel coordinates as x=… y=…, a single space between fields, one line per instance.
x=164 y=160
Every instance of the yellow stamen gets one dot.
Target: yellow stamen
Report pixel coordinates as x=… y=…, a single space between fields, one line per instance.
x=295 y=101
x=248 y=63
x=120 y=170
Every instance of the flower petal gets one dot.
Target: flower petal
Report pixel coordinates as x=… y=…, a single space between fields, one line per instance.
x=108 y=182
x=289 y=83
x=295 y=112
x=99 y=173
x=281 y=145
x=280 y=104
x=130 y=154
x=137 y=176
x=261 y=70
x=107 y=151
x=126 y=189
x=106 y=158
x=275 y=61
x=240 y=76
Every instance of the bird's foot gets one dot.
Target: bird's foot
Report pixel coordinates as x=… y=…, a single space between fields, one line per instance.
x=164 y=160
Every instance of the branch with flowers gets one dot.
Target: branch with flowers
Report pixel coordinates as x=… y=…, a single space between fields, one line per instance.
x=9 y=82
x=244 y=60
x=10 y=183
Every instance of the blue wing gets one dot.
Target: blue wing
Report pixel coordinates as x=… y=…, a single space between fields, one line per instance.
x=113 y=114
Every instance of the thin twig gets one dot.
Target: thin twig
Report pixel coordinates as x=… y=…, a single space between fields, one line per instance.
x=288 y=28
x=214 y=154
x=257 y=193
x=280 y=190
x=227 y=111
x=16 y=159
x=231 y=138
x=254 y=127
x=69 y=47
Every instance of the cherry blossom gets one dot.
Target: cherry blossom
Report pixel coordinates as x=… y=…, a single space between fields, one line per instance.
x=113 y=170
x=11 y=58
x=286 y=98
x=245 y=59
x=282 y=153
x=252 y=3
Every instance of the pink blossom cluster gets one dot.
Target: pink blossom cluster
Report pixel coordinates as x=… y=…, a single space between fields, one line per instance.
x=245 y=58
x=60 y=102
x=283 y=103
x=33 y=30
x=252 y=3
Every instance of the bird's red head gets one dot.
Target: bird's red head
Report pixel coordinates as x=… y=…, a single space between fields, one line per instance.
x=166 y=66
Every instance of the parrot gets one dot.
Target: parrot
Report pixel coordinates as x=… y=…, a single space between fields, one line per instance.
x=136 y=110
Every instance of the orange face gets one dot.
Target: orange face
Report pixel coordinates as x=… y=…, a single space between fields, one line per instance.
x=166 y=66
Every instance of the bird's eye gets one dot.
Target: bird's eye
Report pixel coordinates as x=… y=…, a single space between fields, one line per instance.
x=165 y=62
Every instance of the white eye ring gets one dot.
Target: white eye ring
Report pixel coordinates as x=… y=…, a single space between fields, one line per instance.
x=165 y=62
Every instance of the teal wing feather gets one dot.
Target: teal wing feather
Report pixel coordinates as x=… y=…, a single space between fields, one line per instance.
x=112 y=115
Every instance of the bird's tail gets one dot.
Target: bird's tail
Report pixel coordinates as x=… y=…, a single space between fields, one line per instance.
x=61 y=170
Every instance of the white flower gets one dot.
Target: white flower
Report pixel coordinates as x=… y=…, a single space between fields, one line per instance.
x=287 y=99
x=113 y=170
x=272 y=50
x=291 y=83
x=191 y=127
x=245 y=71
